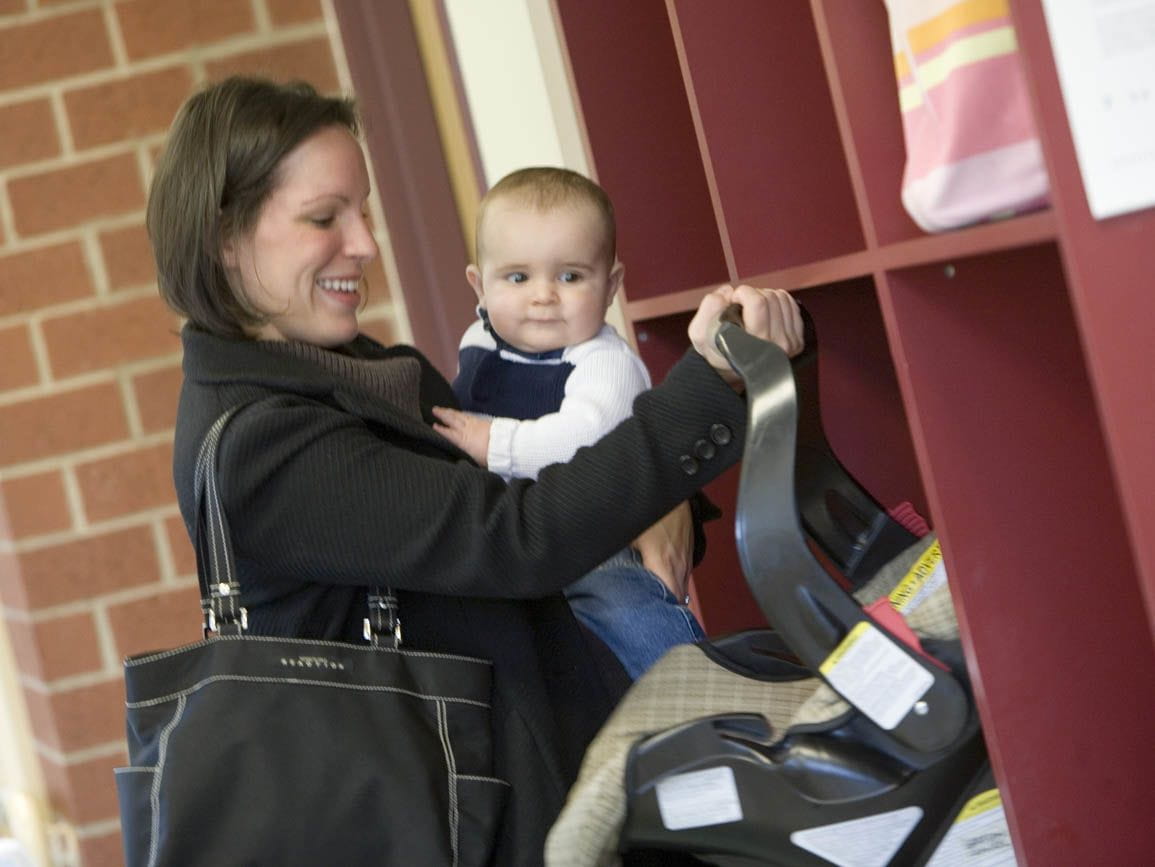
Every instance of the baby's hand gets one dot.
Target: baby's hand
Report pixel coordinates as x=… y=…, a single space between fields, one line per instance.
x=468 y=432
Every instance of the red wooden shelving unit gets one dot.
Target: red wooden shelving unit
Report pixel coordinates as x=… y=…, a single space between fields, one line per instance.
x=998 y=377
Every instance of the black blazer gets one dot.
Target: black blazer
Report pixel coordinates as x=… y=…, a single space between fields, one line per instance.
x=333 y=490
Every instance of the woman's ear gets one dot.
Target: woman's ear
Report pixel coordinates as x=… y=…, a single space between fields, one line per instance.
x=228 y=250
x=473 y=275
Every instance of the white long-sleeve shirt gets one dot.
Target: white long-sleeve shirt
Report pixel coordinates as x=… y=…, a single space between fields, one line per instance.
x=599 y=394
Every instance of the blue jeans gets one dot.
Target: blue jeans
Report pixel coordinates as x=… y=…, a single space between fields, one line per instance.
x=632 y=611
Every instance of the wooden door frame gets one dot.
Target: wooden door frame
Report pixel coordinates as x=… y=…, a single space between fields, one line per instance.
x=411 y=172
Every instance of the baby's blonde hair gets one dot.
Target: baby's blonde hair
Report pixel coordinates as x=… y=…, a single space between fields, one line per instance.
x=546 y=187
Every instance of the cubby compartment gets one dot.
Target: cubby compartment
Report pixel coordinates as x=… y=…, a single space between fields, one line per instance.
x=1021 y=486
x=855 y=38
x=862 y=414
x=771 y=148
x=643 y=145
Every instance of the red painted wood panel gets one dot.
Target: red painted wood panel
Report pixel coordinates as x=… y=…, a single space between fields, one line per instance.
x=1112 y=286
x=766 y=119
x=641 y=135
x=1043 y=579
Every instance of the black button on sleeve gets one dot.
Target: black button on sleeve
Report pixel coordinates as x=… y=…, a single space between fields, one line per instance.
x=704 y=449
x=689 y=465
x=720 y=434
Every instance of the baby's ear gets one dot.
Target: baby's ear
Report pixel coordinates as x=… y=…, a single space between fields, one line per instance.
x=617 y=275
x=473 y=275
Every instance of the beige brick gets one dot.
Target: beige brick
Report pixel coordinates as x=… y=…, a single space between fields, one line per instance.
x=105 y=850
x=156 y=397
x=109 y=335
x=67 y=645
x=286 y=12
x=159 y=622
x=41 y=718
x=12 y=592
x=18 y=364
x=36 y=504
x=54 y=48
x=88 y=567
x=183 y=556
x=60 y=423
x=127 y=108
x=22 y=635
x=66 y=197
x=93 y=786
x=36 y=279
x=126 y=483
x=87 y=716
x=29 y=133
x=127 y=257
x=154 y=27
x=310 y=60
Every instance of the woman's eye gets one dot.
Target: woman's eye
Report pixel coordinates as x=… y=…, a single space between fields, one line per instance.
x=322 y=222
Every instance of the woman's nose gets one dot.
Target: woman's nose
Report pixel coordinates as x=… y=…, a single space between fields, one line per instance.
x=359 y=242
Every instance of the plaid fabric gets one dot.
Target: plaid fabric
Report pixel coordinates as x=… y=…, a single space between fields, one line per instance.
x=686 y=685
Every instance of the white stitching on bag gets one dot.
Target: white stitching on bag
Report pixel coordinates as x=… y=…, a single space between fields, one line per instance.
x=297 y=681
x=140 y=660
x=451 y=764
x=154 y=795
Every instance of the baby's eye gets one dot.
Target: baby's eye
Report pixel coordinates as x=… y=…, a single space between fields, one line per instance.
x=570 y=277
x=517 y=277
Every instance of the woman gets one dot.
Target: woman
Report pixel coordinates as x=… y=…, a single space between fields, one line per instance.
x=257 y=219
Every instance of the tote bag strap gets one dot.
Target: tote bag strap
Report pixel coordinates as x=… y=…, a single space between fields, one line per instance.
x=216 y=565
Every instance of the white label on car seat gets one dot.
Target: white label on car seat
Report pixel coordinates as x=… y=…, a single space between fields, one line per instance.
x=699 y=798
x=979 y=836
x=875 y=675
x=867 y=842
x=924 y=577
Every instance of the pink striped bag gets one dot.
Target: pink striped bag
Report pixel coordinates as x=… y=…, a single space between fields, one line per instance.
x=972 y=152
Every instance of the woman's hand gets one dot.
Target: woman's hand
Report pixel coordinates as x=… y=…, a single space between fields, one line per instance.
x=667 y=549
x=771 y=314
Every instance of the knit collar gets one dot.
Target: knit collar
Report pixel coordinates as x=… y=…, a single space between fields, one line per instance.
x=550 y=355
x=397 y=380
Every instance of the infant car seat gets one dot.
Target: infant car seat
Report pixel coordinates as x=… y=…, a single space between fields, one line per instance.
x=843 y=735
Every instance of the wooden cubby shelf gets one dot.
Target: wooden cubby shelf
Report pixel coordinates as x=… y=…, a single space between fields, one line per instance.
x=996 y=377
x=1022 y=231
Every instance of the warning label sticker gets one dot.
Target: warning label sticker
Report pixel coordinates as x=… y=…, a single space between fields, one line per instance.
x=979 y=836
x=875 y=674
x=924 y=577
x=867 y=842
x=699 y=798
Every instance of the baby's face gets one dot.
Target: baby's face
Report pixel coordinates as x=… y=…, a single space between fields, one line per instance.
x=545 y=277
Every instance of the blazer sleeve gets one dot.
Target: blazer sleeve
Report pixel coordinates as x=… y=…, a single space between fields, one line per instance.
x=325 y=496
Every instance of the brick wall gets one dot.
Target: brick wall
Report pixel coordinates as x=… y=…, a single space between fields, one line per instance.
x=94 y=563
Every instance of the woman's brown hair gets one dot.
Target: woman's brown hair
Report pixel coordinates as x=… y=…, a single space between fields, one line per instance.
x=218 y=168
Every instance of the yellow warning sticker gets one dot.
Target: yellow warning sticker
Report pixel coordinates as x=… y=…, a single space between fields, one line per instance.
x=875 y=674
x=980 y=803
x=925 y=576
x=843 y=647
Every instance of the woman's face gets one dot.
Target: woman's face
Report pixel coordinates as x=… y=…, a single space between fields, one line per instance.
x=302 y=264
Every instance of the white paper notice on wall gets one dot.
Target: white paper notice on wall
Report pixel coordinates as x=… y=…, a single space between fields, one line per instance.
x=1105 y=54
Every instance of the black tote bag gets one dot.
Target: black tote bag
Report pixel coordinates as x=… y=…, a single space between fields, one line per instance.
x=252 y=750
